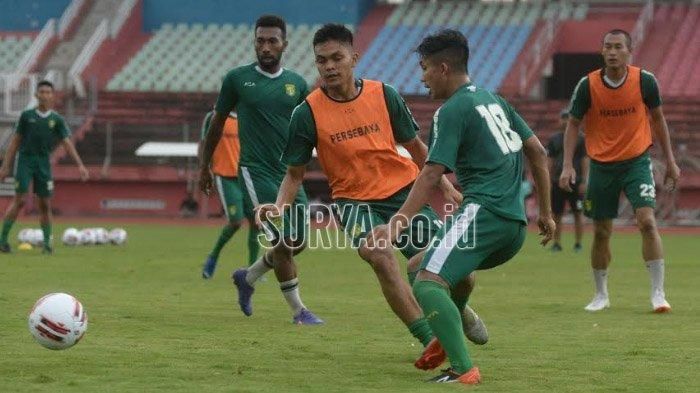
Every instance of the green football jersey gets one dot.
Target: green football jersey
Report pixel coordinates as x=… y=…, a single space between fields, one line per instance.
x=264 y=103
x=40 y=132
x=479 y=136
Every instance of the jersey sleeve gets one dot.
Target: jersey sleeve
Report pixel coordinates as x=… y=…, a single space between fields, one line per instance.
x=302 y=137
x=62 y=128
x=580 y=99
x=228 y=96
x=205 y=125
x=403 y=124
x=650 y=90
x=445 y=137
x=21 y=127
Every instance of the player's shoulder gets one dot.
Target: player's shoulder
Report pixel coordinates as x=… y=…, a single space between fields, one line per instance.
x=302 y=111
x=56 y=115
x=27 y=112
x=239 y=71
x=647 y=75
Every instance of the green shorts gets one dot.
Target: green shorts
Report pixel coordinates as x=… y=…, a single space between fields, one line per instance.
x=472 y=239
x=259 y=188
x=231 y=197
x=606 y=181
x=357 y=218
x=34 y=170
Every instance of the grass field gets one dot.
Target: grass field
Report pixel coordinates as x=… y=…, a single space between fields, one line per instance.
x=156 y=326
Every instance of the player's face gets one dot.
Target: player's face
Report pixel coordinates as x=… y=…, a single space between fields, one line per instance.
x=434 y=77
x=616 y=53
x=269 y=46
x=335 y=62
x=44 y=94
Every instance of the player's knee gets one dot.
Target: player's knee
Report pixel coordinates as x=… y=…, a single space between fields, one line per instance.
x=602 y=232
x=646 y=224
x=376 y=257
x=235 y=225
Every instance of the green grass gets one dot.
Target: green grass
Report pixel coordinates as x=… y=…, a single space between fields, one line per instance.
x=156 y=326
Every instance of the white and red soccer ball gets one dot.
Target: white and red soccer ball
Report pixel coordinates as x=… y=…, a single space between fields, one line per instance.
x=58 y=321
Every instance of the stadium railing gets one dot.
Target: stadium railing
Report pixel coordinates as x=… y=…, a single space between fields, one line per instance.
x=28 y=61
x=123 y=13
x=69 y=15
x=83 y=59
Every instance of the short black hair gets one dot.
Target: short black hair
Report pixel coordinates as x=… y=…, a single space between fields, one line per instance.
x=45 y=83
x=333 y=32
x=628 y=37
x=272 y=21
x=450 y=45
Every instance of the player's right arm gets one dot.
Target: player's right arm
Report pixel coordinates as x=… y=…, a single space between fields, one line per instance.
x=228 y=97
x=10 y=156
x=12 y=148
x=203 y=134
x=580 y=102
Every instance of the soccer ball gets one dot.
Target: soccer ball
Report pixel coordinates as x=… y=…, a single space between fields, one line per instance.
x=101 y=235
x=58 y=321
x=117 y=236
x=36 y=237
x=87 y=236
x=23 y=235
x=71 y=237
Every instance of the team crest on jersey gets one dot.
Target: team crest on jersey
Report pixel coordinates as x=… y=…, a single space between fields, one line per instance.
x=290 y=89
x=232 y=210
x=52 y=123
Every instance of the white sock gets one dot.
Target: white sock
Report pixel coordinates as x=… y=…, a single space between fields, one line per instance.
x=601 y=282
x=290 y=290
x=257 y=269
x=656 y=272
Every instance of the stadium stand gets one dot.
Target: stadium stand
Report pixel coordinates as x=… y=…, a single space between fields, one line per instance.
x=496 y=32
x=12 y=48
x=194 y=58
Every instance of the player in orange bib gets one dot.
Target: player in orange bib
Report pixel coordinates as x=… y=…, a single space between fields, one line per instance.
x=616 y=103
x=355 y=126
x=224 y=166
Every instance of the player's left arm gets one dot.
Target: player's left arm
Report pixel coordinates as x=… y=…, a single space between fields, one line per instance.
x=660 y=129
x=652 y=99
x=70 y=148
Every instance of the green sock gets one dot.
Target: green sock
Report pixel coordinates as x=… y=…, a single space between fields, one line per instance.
x=224 y=237
x=445 y=321
x=6 y=226
x=46 y=228
x=460 y=301
x=412 y=277
x=253 y=245
x=421 y=330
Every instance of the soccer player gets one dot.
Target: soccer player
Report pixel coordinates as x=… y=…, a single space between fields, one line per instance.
x=264 y=95
x=555 y=151
x=224 y=165
x=480 y=137
x=616 y=102
x=36 y=134
x=355 y=124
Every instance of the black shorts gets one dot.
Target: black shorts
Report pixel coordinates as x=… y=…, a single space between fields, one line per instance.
x=559 y=197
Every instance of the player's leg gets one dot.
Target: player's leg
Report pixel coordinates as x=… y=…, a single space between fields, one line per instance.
x=232 y=202
x=640 y=190
x=424 y=227
x=287 y=242
x=576 y=204
x=23 y=177
x=18 y=202
x=601 y=204
x=43 y=188
x=557 y=211
x=253 y=232
x=463 y=247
